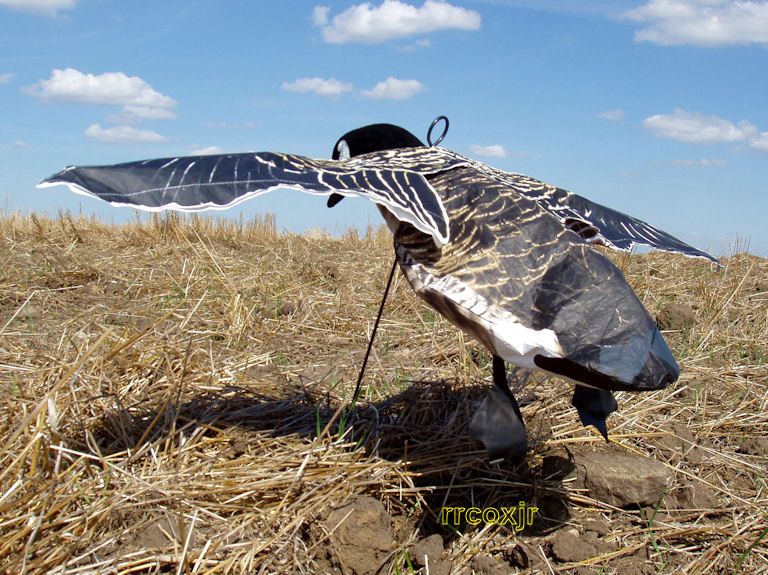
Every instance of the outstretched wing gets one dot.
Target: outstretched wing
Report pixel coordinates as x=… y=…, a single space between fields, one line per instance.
x=594 y=222
x=220 y=181
x=618 y=230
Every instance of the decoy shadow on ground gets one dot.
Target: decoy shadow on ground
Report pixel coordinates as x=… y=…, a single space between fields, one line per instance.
x=424 y=427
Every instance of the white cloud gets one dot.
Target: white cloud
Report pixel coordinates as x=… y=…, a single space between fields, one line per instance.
x=612 y=115
x=393 y=19
x=423 y=43
x=113 y=88
x=217 y=124
x=395 y=89
x=44 y=7
x=222 y=125
x=21 y=144
x=702 y=162
x=702 y=22
x=492 y=151
x=760 y=142
x=132 y=114
x=330 y=88
x=6 y=78
x=320 y=15
x=709 y=162
x=122 y=134
x=206 y=151
x=698 y=128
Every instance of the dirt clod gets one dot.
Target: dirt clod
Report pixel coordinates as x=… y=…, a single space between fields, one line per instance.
x=360 y=535
x=676 y=316
x=429 y=553
x=288 y=307
x=696 y=495
x=598 y=525
x=623 y=480
x=517 y=555
x=681 y=441
x=754 y=446
x=569 y=546
x=431 y=547
x=483 y=564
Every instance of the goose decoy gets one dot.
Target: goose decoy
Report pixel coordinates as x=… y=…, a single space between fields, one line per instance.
x=503 y=256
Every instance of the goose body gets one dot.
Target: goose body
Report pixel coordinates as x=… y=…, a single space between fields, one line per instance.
x=531 y=290
x=504 y=257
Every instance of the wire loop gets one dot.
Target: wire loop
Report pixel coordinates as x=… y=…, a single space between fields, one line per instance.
x=435 y=122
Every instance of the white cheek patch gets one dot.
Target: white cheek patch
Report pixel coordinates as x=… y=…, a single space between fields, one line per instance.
x=343 y=149
x=510 y=339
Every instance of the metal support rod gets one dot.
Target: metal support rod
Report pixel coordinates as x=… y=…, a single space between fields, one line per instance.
x=373 y=334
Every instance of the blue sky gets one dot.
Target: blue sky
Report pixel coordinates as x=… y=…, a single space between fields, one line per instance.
x=653 y=107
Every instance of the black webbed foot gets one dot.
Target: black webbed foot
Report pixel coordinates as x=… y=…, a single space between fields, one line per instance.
x=498 y=422
x=594 y=405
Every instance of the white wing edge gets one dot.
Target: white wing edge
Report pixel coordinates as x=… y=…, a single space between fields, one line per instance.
x=400 y=214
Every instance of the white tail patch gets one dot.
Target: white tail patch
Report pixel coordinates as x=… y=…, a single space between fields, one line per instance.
x=493 y=325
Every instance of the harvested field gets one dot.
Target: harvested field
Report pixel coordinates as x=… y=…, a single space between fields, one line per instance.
x=174 y=398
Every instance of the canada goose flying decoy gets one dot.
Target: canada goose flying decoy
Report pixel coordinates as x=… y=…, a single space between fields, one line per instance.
x=501 y=255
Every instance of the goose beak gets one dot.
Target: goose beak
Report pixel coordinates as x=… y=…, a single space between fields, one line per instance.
x=642 y=363
x=660 y=367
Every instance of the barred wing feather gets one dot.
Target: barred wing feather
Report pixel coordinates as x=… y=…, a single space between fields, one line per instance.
x=220 y=181
x=595 y=223
x=622 y=232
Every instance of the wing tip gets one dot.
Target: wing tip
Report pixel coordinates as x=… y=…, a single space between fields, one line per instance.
x=680 y=247
x=691 y=252
x=49 y=183
x=57 y=179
